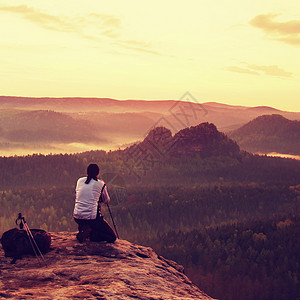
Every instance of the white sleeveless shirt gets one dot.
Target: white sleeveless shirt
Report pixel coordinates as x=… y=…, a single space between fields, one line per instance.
x=87 y=197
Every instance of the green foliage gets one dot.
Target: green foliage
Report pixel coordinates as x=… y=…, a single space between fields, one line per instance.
x=258 y=260
x=183 y=208
x=63 y=170
x=186 y=208
x=47 y=208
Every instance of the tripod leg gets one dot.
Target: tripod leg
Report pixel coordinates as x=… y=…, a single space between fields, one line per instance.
x=30 y=240
x=35 y=244
x=113 y=221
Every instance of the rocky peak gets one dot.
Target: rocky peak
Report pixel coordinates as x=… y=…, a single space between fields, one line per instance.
x=95 y=271
x=202 y=133
x=203 y=139
x=158 y=134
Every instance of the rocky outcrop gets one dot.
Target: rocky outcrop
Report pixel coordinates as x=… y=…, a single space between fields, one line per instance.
x=95 y=271
x=203 y=140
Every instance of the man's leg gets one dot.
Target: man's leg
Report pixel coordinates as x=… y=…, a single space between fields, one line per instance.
x=84 y=228
x=101 y=231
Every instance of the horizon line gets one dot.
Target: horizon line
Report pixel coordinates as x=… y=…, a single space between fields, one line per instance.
x=146 y=100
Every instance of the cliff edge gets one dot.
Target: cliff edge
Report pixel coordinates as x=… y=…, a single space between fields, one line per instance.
x=95 y=271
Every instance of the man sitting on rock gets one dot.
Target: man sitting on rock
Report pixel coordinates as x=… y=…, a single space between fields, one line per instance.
x=87 y=208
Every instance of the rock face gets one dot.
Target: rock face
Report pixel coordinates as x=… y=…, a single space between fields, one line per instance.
x=95 y=271
x=203 y=140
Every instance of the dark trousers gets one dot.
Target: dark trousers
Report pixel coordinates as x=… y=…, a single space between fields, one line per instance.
x=99 y=229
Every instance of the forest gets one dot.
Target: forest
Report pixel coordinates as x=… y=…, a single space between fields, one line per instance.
x=232 y=220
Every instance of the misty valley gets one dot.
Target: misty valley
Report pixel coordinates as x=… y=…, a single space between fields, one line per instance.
x=71 y=125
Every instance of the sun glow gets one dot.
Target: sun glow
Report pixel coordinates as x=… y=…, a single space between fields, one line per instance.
x=235 y=52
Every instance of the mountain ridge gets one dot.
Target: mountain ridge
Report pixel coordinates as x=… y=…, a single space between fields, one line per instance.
x=110 y=123
x=43 y=126
x=14 y=101
x=269 y=133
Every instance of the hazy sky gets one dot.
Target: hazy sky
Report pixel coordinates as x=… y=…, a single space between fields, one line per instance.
x=234 y=51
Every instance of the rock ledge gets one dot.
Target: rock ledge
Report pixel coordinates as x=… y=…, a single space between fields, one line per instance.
x=95 y=271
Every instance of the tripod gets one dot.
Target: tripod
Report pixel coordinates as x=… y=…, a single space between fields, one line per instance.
x=32 y=241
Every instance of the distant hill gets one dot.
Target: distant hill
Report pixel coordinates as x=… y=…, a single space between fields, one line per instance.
x=78 y=104
x=45 y=126
x=177 y=114
x=203 y=140
x=269 y=133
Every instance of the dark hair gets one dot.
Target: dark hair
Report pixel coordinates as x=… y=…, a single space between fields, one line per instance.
x=92 y=172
